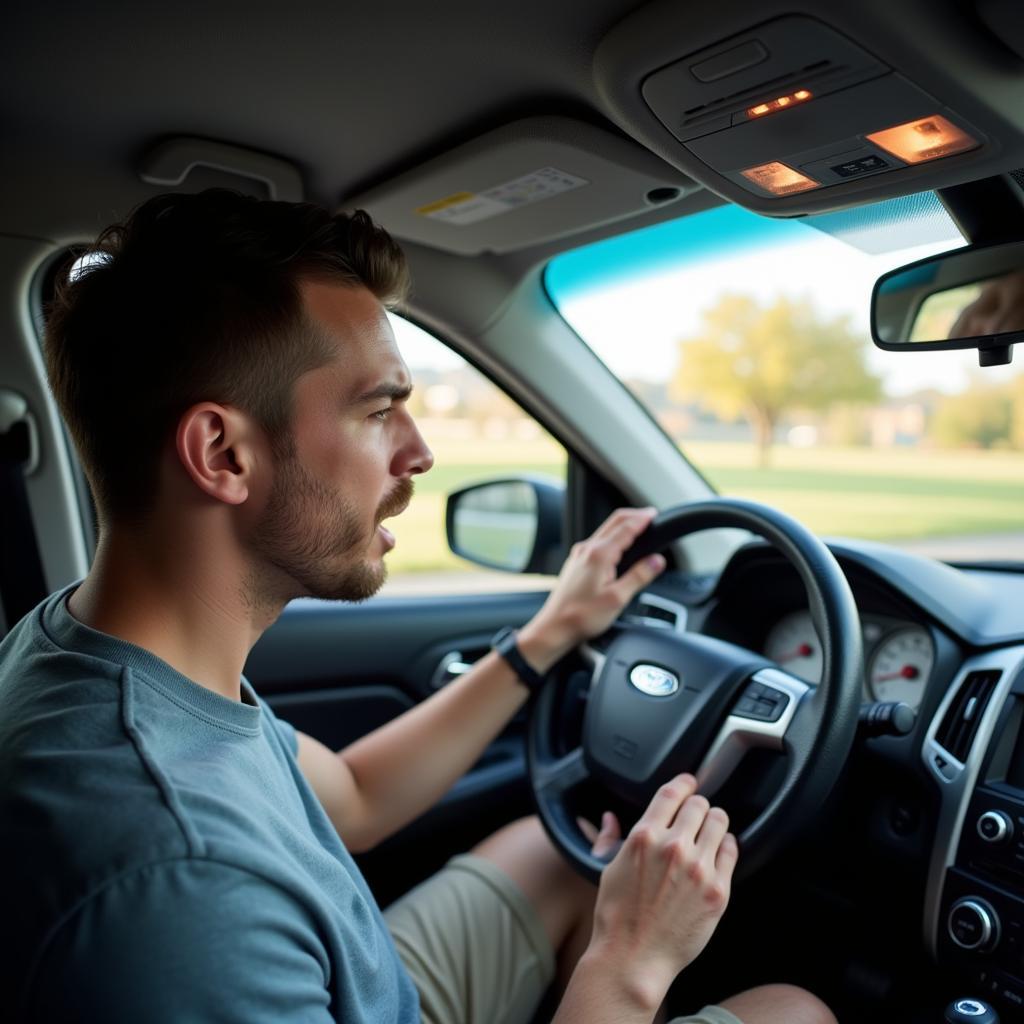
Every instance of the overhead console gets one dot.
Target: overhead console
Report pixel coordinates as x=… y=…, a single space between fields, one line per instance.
x=792 y=115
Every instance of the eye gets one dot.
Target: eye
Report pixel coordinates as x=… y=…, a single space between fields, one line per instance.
x=382 y=414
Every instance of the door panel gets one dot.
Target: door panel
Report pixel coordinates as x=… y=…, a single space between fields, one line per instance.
x=337 y=671
x=321 y=645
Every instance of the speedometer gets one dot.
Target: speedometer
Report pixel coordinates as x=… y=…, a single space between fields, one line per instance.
x=901 y=666
x=793 y=643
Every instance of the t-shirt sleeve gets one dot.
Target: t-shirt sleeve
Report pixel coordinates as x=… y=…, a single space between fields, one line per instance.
x=185 y=941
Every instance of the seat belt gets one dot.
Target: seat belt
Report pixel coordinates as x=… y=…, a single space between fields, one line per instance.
x=22 y=585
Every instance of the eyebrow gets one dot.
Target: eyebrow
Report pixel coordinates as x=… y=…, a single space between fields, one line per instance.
x=396 y=392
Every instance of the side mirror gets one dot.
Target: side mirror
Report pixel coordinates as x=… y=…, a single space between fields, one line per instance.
x=514 y=525
x=970 y=298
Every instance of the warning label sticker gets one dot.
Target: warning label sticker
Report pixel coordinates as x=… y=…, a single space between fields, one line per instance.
x=464 y=208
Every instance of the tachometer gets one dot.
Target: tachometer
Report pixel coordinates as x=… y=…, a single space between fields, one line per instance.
x=793 y=644
x=901 y=666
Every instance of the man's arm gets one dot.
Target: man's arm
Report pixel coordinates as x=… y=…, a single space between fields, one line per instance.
x=386 y=779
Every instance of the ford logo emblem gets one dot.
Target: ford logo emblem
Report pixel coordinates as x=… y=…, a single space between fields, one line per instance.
x=656 y=682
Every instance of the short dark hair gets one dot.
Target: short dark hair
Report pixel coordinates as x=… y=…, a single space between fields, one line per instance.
x=195 y=297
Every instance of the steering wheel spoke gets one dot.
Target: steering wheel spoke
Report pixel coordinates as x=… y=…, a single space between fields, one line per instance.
x=555 y=778
x=592 y=657
x=760 y=718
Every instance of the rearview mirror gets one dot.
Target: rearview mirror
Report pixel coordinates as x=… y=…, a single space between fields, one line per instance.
x=970 y=298
x=514 y=525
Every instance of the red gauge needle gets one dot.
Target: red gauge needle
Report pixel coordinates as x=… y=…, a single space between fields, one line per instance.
x=907 y=672
x=803 y=651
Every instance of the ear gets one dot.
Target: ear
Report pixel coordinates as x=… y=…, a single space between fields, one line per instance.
x=214 y=445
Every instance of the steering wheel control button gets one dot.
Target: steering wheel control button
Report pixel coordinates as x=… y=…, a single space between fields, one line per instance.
x=995 y=827
x=763 y=703
x=973 y=924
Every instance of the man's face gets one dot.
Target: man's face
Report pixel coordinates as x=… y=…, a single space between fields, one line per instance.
x=355 y=451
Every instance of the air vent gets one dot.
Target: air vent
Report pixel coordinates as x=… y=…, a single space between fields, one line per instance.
x=960 y=723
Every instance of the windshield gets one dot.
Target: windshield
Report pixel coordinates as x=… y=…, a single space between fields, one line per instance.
x=748 y=339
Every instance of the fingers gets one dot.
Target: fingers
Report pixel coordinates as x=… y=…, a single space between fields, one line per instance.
x=610 y=837
x=712 y=831
x=588 y=829
x=665 y=804
x=691 y=818
x=638 y=577
x=615 y=535
x=606 y=842
x=728 y=854
x=636 y=519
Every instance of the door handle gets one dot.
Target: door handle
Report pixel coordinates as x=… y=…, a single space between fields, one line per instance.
x=450 y=667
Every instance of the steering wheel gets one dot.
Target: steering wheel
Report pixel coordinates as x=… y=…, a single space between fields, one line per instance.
x=662 y=702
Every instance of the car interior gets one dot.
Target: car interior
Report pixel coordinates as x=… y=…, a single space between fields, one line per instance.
x=876 y=775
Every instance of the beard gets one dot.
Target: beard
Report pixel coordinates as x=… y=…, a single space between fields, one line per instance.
x=317 y=538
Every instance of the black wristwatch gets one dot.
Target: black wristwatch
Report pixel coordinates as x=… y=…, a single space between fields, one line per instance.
x=504 y=643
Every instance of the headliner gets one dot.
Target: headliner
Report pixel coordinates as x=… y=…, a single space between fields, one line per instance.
x=350 y=93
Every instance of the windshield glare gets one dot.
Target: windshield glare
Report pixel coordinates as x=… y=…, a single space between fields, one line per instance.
x=748 y=339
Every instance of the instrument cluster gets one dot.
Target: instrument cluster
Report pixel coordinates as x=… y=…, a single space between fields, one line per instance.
x=898 y=655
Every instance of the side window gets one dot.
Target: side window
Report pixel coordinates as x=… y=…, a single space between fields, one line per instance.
x=476 y=432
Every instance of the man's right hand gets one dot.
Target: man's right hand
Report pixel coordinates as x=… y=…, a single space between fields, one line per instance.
x=662 y=896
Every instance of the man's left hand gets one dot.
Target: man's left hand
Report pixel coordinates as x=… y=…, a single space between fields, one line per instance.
x=589 y=595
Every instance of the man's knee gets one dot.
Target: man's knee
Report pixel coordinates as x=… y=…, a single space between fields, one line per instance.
x=523 y=847
x=779 y=1004
x=557 y=893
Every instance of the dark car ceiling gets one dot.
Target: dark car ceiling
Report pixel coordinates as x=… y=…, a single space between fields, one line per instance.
x=350 y=92
x=354 y=94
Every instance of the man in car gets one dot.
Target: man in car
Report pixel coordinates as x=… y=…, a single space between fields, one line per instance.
x=172 y=851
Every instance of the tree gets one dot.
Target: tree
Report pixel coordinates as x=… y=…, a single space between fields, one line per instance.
x=984 y=415
x=761 y=362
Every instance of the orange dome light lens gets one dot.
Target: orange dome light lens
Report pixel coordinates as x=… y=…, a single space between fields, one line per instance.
x=779 y=103
x=779 y=179
x=926 y=139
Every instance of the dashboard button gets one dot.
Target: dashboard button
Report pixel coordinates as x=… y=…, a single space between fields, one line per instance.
x=994 y=827
x=973 y=924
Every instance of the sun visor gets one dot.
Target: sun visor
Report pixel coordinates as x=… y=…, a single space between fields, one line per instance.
x=529 y=182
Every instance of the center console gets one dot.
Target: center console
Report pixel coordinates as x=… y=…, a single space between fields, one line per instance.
x=975 y=898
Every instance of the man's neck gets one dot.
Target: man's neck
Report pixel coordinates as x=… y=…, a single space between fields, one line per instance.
x=189 y=607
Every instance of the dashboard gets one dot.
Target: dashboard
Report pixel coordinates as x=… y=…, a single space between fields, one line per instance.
x=950 y=643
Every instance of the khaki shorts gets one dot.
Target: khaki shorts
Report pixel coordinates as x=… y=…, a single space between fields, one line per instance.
x=476 y=950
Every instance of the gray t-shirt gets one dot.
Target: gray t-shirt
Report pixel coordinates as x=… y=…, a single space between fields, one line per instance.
x=162 y=858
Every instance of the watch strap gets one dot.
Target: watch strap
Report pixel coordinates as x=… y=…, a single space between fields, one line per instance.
x=504 y=644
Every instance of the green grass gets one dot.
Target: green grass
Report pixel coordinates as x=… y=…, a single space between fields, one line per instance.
x=860 y=492
x=877 y=494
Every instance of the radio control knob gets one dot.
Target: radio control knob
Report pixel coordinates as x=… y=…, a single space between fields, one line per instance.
x=973 y=924
x=995 y=826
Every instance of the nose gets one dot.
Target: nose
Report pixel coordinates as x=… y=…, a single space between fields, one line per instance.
x=414 y=456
